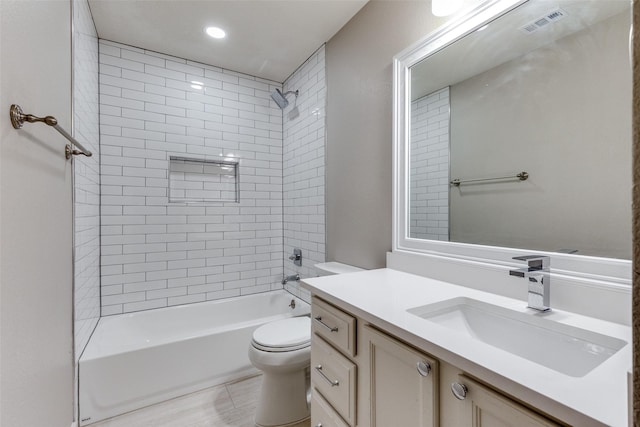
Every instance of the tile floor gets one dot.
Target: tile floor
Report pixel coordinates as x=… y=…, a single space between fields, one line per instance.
x=227 y=405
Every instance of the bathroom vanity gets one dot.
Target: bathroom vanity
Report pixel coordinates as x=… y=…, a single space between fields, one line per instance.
x=484 y=109
x=390 y=348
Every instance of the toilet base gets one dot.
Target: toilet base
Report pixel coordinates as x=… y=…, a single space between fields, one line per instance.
x=283 y=399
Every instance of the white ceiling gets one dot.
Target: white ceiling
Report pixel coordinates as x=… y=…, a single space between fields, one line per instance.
x=504 y=41
x=265 y=38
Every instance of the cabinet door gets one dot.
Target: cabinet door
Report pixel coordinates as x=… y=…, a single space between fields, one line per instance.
x=486 y=408
x=403 y=383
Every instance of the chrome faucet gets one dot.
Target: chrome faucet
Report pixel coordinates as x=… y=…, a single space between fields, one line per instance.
x=286 y=279
x=297 y=257
x=539 y=280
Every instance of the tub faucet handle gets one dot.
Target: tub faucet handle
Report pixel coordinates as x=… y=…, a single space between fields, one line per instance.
x=297 y=257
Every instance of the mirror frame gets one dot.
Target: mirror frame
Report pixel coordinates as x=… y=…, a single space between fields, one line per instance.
x=615 y=272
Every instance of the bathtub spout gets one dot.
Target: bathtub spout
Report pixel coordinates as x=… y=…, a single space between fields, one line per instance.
x=286 y=279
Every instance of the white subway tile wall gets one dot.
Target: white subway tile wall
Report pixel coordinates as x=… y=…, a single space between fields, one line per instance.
x=429 y=192
x=86 y=176
x=303 y=173
x=156 y=253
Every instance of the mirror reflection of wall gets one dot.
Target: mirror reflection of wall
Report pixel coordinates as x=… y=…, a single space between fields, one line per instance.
x=561 y=112
x=429 y=192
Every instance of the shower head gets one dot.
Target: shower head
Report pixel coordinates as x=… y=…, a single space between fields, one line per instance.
x=281 y=98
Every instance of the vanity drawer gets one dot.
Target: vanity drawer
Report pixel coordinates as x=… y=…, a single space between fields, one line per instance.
x=334 y=325
x=322 y=414
x=334 y=376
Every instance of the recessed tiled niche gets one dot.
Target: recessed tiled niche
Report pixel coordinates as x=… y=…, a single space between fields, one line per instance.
x=202 y=181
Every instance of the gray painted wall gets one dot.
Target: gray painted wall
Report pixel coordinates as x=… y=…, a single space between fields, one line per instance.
x=359 y=127
x=35 y=218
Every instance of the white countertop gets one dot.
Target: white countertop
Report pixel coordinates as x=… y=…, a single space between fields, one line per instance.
x=382 y=297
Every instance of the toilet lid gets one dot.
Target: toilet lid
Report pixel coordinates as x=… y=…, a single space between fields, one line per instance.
x=291 y=333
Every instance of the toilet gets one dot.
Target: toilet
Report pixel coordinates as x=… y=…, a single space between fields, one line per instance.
x=331 y=268
x=282 y=351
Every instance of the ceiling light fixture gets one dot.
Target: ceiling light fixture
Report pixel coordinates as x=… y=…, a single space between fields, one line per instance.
x=215 y=32
x=445 y=7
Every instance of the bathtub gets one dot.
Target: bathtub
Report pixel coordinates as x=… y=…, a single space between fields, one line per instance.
x=138 y=359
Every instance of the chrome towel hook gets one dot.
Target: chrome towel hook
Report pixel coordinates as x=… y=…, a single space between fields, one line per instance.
x=18 y=118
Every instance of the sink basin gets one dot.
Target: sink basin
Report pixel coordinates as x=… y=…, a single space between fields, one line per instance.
x=566 y=349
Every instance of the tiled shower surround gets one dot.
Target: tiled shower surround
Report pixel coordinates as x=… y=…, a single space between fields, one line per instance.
x=429 y=213
x=303 y=173
x=156 y=252
x=86 y=177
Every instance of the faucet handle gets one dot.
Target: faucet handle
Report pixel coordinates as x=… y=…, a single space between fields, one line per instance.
x=535 y=262
x=539 y=280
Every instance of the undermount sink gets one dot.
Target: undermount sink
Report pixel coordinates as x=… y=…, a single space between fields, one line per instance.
x=566 y=349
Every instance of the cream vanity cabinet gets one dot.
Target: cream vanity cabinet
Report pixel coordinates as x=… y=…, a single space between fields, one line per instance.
x=403 y=383
x=362 y=376
x=465 y=402
x=333 y=366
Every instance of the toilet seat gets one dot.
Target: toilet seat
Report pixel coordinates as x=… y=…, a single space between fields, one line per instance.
x=283 y=335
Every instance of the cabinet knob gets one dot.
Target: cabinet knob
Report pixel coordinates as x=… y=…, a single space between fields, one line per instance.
x=459 y=390
x=423 y=368
x=319 y=425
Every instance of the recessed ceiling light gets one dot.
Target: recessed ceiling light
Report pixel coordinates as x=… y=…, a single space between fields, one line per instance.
x=215 y=32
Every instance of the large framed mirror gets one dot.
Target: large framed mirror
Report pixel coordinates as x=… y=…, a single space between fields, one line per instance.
x=512 y=133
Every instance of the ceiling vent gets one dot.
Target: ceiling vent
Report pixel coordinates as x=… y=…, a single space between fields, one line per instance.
x=544 y=20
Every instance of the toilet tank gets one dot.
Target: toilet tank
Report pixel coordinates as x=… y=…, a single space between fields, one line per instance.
x=331 y=268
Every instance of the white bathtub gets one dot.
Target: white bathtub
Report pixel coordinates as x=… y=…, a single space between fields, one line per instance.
x=138 y=359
